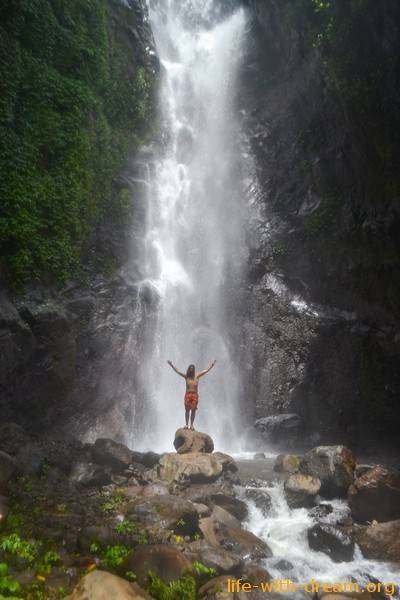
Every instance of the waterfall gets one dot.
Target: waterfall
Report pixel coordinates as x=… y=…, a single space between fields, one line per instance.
x=194 y=248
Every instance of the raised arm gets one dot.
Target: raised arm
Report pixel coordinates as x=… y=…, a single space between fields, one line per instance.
x=176 y=370
x=201 y=373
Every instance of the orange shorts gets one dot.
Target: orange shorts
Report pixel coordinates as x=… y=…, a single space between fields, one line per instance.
x=191 y=400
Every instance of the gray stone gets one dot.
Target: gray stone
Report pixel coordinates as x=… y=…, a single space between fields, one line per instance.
x=187 y=440
x=111 y=454
x=333 y=466
x=301 y=490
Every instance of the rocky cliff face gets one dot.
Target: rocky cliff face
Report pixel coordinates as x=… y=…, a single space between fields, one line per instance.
x=321 y=330
x=56 y=338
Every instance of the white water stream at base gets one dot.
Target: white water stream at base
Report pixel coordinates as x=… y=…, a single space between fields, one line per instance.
x=285 y=531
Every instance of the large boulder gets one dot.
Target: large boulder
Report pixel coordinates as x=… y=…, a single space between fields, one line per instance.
x=111 y=454
x=223 y=516
x=301 y=490
x=8 y=466
x=167 y=562
x=241 y=542
x=215 y=557
x=379 y=541
x=202 y=492
x=187 y=440
x=287 y=463
x=100 y=585
x=333 y=466
x=166 y=512
x=376 y=495
x=332 y=541
x=195 y=467
x=283 y=428
x=233 y=505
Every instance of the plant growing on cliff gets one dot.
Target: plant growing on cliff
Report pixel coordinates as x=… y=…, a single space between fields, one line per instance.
x=13 y=545
x=76 y=97
x=8 y=585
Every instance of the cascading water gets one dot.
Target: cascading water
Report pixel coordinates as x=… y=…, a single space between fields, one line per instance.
x=194 y=245
x=285 y=530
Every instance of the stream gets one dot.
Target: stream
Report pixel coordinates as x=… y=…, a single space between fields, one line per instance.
x=285 y=531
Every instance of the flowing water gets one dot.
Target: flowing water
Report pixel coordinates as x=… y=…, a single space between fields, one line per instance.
x=194 y=250
x=285 y=531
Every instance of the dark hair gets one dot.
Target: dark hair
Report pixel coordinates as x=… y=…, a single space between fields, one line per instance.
x=190 y=373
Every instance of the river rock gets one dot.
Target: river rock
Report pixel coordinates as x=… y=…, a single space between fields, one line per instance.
x=166 y=512
x=89 y=474
x=100 y=585
x=376 y=495
x=203 y=492
x=167 y=562
x=196 y=467
x=233 y=505
x=278 y=428
x=148 y=459
x=111 y=454
x=215 y=557
x=330 y=540
x=287 y=463
x=300 y=490
x=260 y=498
x=333 y=466
x=243 y=543
x=223 y=516
x=187 y=440
x=8 y=466
x=379 y=541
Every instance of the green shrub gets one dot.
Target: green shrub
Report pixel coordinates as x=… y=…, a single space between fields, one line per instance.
x=183 y=588
x=73 y=101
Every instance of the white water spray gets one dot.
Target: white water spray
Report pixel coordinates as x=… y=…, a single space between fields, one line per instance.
x=194 y=243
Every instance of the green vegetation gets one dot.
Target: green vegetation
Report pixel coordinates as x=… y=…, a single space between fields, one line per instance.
x=14 y=546
x=115 y=555
x=76 y=97
x=9 y=586
x=203 y=570
x=49 y=560
x=183 y=588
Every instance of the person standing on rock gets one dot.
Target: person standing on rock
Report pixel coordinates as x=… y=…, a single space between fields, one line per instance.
x=192 y=385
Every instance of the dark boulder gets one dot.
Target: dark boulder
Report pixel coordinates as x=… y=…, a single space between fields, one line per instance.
x=111 y=454
x=379 y=541
x=376 y=495
x=332 y=541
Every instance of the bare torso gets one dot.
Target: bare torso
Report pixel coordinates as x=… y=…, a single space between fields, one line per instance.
x=192 y=384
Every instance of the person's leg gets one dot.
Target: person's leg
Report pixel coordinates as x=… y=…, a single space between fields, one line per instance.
x=187 y=411
x=192 y=417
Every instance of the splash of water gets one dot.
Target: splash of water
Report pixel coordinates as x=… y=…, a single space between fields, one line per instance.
x=285 y=531
x=194 y=249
